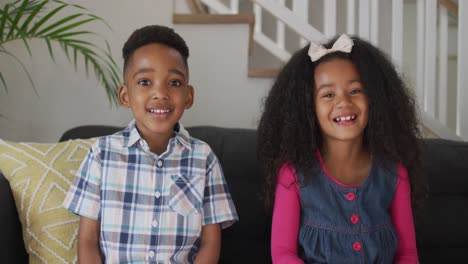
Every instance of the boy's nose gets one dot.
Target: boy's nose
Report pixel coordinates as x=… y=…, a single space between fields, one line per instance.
x=160 y=91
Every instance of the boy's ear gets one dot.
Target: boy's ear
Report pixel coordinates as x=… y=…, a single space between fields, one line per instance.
x=190 y=97
x=123 y=96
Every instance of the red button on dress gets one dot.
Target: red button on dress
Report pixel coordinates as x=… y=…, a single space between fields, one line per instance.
x=350 y=196
x=357 y=246
x=354 y=219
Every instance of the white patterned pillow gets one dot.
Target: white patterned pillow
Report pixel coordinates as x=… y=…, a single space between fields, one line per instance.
x=39 y=176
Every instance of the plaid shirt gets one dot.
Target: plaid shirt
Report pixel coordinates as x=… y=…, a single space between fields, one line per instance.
x=151 y=208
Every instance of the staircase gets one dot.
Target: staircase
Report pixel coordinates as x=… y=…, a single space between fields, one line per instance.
x=423 y=37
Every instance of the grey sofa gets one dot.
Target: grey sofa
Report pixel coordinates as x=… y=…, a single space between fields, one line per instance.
x=442 y=233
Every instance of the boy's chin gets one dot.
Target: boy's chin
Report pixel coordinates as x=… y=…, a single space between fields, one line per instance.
x=156 y=129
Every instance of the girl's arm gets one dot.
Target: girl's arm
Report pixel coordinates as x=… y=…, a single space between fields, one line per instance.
x=286 y=215
x=88 y=241
x=402 y=220
x=210 y=244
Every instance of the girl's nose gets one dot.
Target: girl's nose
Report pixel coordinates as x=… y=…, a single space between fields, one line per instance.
x=342 y=101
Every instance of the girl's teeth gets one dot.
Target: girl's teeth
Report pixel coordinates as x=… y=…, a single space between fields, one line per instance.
x=345 y=118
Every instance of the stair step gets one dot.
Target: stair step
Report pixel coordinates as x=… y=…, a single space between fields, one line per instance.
x=228 y=19
x=247 y=18
x=263 y=73
x=213 y=19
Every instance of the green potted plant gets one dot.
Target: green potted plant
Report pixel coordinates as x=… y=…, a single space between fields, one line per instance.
x=25 y=20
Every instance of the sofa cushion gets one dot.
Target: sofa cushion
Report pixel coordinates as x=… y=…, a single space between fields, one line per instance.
x=249 y=238
x=39 y=176
x=441 y=232
x=449 y=159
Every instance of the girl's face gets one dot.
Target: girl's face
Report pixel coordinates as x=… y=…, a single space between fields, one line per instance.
x=341 y=104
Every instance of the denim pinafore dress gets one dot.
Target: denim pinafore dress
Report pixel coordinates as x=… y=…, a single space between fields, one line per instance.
x=348 y=224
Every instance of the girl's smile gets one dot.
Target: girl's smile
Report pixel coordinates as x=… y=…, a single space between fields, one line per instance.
x=345 y=119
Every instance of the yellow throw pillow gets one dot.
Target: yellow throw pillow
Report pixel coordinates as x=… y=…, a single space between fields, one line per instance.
x=39 y=176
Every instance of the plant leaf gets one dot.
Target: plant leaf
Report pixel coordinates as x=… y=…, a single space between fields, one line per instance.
x=73 y=34
x=24 y=69
x=49 y=47
x=3 y=21
x=27 y=46
x=71 y=26
x=31 y=16
x=45 y=19
x=3 y=82
x=66 y=33
x=14 y=23
x=61 y=22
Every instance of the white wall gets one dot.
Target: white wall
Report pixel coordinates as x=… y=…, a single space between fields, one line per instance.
x=224 y=95
x=68 y=98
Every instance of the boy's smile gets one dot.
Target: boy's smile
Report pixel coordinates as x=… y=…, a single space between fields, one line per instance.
x=341 y=103
x=156 y=89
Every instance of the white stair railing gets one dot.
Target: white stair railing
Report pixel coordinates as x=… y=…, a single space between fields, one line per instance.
x=441 y=104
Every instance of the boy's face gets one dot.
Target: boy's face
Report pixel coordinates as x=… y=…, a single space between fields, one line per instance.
x=156 y=89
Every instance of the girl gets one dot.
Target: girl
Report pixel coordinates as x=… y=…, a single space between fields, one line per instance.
x=339 y=140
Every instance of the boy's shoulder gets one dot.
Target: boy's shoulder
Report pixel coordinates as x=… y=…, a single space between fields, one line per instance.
x=191 y=142
x=117 y=140
x=199 y=145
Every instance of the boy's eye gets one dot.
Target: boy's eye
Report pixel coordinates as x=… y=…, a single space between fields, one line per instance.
x=175 y=83
x=144 y=82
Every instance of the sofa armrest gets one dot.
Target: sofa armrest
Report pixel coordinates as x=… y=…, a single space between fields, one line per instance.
x=11 y=239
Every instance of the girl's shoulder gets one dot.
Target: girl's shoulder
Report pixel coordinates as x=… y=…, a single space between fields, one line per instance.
x=402 y=172
x=287 y=175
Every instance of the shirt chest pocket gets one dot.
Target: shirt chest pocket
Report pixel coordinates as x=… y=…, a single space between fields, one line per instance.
x=186 y=194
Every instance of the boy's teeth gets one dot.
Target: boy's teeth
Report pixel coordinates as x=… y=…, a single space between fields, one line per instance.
x=159 y=111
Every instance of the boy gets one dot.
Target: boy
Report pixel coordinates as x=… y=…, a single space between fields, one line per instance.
x=151 y=193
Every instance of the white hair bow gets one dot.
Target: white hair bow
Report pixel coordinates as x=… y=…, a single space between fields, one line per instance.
x=343 y=44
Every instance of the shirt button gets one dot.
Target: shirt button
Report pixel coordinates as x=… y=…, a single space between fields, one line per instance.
x=155 y=223
x=159 y=163
x=357 y=246
x=350 y=196
x=157 y=194
x=151 y=254
x=354 y=219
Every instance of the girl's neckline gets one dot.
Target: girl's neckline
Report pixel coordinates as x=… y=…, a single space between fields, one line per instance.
x=324 y=169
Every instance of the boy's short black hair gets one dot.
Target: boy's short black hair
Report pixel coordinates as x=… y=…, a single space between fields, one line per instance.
x=154 y=34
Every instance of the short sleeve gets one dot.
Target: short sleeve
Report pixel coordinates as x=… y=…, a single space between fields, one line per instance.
x=83 y=197
x=218 y=206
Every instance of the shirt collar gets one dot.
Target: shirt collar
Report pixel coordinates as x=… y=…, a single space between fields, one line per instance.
x=182 y=135
x=133 y=136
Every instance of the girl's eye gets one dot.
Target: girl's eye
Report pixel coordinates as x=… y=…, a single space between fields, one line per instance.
x=327 y=95
x=144 y=82
x=356 y=91
x=175 y=83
